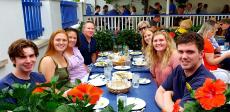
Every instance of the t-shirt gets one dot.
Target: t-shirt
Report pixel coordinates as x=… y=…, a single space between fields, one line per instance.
x=176 y=82
x=87 y=49
x=10 y=79
x=208 y=48
x=159 y=74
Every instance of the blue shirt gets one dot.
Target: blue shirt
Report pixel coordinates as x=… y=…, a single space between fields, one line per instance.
x=87 y=49
x=11 y=79
x=176 y=82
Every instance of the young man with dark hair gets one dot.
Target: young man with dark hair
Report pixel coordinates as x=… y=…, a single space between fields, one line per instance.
x=23 y=54
x=191 y=70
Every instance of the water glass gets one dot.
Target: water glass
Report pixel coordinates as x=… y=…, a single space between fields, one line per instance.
x=135 y=80
x=122 y=97
x=226 y=45
x=128 y=61
x=107 y=73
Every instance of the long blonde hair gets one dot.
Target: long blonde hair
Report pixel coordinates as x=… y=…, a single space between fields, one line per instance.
x=144 y=44
x=151 y=54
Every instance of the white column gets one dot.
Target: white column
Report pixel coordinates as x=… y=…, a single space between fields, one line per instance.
x=51 y=17
x=167 y=12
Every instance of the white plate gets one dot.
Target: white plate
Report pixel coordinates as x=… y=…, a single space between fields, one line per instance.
x=96 y=76
x=97 y=82
x=101 y=103
x=102 y=54
x=122 y=67
x=139 y=103
x=100 y=64
x=122 y=75
x=136 y=53
x=139 y=63
x=144 y=81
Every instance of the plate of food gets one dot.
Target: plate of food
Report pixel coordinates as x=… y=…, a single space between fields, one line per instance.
x=101 y=103
x=103 y=54
x=135 y=53
x=144 y=81
x=122 y=67
x=100 y=64
x=139 y=103
x=139 y=63
x=122 y=75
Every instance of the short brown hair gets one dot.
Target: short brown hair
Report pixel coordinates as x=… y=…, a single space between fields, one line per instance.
x=192 y=37
x=16 y=48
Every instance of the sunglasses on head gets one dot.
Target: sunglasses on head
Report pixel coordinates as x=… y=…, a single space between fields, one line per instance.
x=142 y=28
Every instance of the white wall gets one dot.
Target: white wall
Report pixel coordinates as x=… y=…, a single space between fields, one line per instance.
x=11 y=28
x=51 y=17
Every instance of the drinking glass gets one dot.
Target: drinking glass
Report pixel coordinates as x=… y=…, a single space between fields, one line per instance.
x=107 y=73
x=226 y=45
x=122 y=97
x=135 y=80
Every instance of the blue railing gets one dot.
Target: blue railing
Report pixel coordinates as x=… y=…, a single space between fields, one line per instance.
x=68 y=13
x=32 y=18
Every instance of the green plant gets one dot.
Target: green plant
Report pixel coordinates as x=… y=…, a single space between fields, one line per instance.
x=130 y=38
x=104 y=40
x=121 y=107
x=196 y=28
x=40 y=100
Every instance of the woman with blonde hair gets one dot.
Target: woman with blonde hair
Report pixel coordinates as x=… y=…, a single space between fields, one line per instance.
x=54 y=62
x=162 y=56
x=142 y=26
x=211 y=61
x=146 y=39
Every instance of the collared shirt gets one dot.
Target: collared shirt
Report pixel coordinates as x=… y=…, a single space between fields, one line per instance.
x=176 y=82
x=87 y=49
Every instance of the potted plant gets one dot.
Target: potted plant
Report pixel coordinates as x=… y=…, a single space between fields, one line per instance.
x=104 y=40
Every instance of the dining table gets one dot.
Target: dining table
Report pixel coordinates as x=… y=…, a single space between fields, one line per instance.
x=145 y=92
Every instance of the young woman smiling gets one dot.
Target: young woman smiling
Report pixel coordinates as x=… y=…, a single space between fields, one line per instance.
x=162 y=56
x=54 y=62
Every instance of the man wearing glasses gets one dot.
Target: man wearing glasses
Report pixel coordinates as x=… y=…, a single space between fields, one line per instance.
x=88 y=43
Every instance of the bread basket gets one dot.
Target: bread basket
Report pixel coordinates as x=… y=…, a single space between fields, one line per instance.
x=118 y=86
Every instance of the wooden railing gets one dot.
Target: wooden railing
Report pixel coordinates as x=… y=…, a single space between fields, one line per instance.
x=131 y=22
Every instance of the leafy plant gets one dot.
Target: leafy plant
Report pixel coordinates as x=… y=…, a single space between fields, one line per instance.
x=104 y=40
x=121 y=107
x=22 y=99
x=130 y=38
x=195 y=28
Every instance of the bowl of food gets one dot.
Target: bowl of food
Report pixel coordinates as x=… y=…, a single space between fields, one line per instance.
x=118 y=86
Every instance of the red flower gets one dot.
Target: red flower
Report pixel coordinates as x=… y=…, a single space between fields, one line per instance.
x=38 y=90
x=91 y=91
x=172 y=34
x=211 y=94
x=176 y=106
